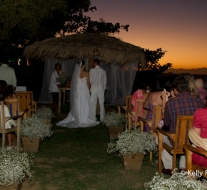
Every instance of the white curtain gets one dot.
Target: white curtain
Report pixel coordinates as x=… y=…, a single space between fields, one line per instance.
x=66 y=65
x=119 y=82
x=119 y=79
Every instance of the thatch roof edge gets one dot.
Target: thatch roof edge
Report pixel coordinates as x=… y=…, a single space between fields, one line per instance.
x=80 y=46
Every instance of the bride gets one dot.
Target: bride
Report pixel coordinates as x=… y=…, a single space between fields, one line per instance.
x=80 y=103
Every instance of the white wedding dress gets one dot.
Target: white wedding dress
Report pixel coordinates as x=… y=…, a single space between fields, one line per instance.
x=80 y=102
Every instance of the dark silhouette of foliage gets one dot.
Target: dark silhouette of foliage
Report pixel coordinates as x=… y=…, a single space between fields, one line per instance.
x=153 y=71
x=104 y=27
x=152 y=59
x=23 y=22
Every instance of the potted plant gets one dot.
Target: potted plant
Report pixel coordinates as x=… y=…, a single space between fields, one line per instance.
x=132 y=146
x=15 y=167
x=45 y=114
x=177 y=181
x=33 y=129
x=115 y=123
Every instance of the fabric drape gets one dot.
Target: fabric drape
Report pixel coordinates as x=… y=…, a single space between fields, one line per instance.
x=197 y=140
x=66 y=65
x=119 y=79
x=74 y=92
x=119 y=82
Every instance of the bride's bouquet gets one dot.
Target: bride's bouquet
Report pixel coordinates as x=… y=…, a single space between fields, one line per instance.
x=63 y=78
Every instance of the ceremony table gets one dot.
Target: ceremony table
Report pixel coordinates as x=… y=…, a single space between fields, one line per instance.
x=60 y=97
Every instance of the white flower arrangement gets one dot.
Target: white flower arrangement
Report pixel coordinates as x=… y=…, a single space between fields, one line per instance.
x=114 y=119
x=34 y=127
x=15 y=166
x=177 y=181
x=44 y=113
x=63 y=78
x=132 y=142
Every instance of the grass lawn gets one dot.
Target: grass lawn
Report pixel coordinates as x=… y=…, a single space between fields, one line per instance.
x=77 y=159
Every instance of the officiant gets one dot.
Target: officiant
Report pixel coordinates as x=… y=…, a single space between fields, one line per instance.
x=54 y=85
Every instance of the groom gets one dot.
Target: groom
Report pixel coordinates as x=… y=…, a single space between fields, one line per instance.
x=98 y=87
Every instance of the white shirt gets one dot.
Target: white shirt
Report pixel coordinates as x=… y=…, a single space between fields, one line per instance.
x=7 y=74
x=53 y=82
x=98 y=80
x=10 y=122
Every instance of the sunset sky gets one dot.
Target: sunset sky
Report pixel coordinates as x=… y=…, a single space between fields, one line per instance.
x=177 y=26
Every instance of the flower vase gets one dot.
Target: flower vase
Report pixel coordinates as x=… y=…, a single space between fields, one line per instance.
x=11 y=187
x=133 y=161
x=113 y=131
x=47 y=121
x=30 y=145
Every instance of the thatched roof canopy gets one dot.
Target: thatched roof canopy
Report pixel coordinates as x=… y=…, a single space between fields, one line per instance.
x=85 y=45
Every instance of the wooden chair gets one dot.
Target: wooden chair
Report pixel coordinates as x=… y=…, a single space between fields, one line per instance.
x=131 y=123
x=3 y=130
x=31 y=102
x=189 y=165
x=133 y=116
x=156 y=117
x=13 y=106
x=25 y=101
x=180 y=137
x=141 y=111
x=128 y=105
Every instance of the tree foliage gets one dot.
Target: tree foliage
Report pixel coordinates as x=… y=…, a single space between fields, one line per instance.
x=152 y=59
x=153 y=71
x=26 y=21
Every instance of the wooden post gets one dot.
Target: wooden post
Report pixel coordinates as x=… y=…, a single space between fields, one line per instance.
x=59 y=101
x=63 y=96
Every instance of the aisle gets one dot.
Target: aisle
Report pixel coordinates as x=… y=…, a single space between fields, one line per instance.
x=77 y=159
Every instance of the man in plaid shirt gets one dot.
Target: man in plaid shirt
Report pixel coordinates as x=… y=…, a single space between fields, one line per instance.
x=183 y=104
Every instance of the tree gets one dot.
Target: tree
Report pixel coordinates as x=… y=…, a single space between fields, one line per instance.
x=23 y=22
x=102 y=26
x=153 y=71
x=152 y=59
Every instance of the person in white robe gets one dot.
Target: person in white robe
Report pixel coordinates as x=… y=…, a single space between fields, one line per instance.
x=54 y=85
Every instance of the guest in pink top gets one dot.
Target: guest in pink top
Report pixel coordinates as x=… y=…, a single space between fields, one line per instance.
x=200 y=127
x=201 y=91
x=138 y=95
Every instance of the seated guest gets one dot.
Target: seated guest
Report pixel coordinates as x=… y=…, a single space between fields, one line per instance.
x=185 y=103
x=201 y=91
x=138 y=95
x=10 y=92
x=154 y=98
x=191 y=84
x=3 y=86
x=198 y=135
x=165 y=96
x=9 y=123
